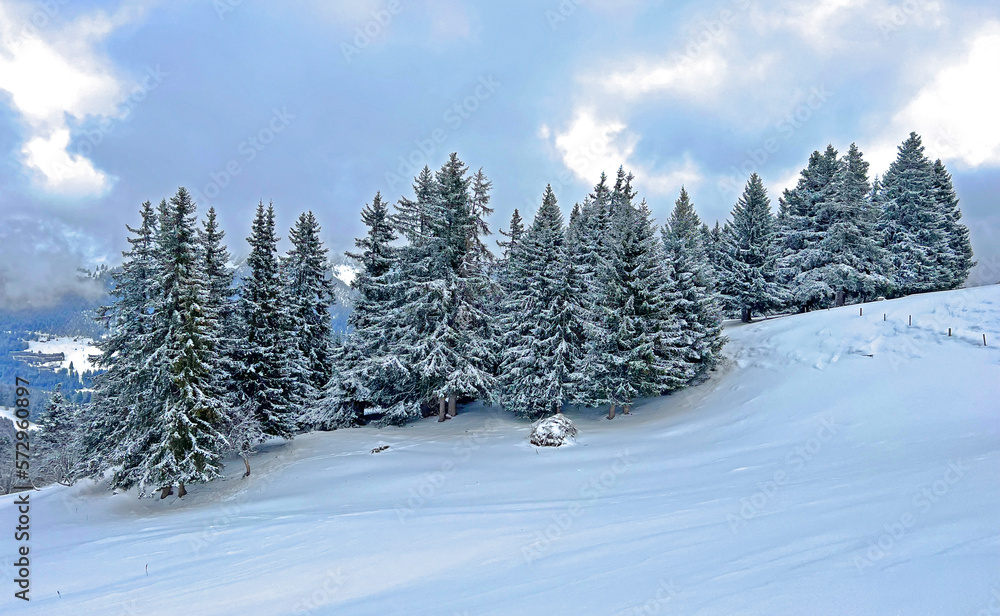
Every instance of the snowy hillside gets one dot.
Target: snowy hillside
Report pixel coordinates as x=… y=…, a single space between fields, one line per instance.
x=76 y=350
x=838 y=464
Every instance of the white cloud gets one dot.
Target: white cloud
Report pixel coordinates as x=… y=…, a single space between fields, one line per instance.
x=50 y=73
x=590 y=145
x=816 y=22
x=696 y=77
x=64 y=173
x=955 y=111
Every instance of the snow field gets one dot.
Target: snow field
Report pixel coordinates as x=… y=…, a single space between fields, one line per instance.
x=804 y=478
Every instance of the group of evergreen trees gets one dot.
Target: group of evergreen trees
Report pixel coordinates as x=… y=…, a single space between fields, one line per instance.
x=597 y=312
x=195 y=367
x=839 y=238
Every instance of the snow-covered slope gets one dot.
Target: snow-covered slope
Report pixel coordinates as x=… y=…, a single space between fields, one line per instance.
x=76 y=350
x=839 y=464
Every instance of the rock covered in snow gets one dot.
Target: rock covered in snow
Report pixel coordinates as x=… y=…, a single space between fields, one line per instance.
x=552 y=431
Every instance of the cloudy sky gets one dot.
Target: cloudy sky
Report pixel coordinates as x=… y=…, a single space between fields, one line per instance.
x=319 y=104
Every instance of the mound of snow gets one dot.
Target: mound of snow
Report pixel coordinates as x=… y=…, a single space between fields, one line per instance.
x=553 y=431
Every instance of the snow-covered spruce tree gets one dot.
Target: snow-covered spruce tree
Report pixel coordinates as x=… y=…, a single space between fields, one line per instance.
x=309 y=293
x=54 y=443
x=513 y=236
x=127 y=391
x=587 y=235
x=635 y=344
x=266 y=357
x=402 y=319
x=481 y=286
x=367 y=374
x=504 y=279
x=480 y=204
x=801 y=227
x=957 y=262
x=853 y=263
x=915 y=225
x=462 y=355
x=748 y=254
x=189 y=444
x=832 y=255
x=220 y=304
x=541 y=329
x=438 y=322
x=242 y=430
x=696 y=306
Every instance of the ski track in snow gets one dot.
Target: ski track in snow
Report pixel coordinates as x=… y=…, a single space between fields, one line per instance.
x=777 y=487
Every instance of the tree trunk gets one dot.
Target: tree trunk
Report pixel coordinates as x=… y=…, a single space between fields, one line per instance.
x=441 y=406
x=451 y=405
x=181 y=491
x=246 y=461
x=746 y=315
x=166 y=491
x=840 y=297
x=611 y=412
x=627 y=409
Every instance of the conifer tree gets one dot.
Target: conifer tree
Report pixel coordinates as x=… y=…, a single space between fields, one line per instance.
x=748 y=254
x=266 y=354
x=189 y=444
x=915 y=225
x=958 y=261
x=366 y=371
x=634 y=342
x=696 y=306
x=801 y=227
x=54 y=442
x=542 y=333
x=514 y=235
x=128 y=387
x=219 y=305
x=309 y=293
